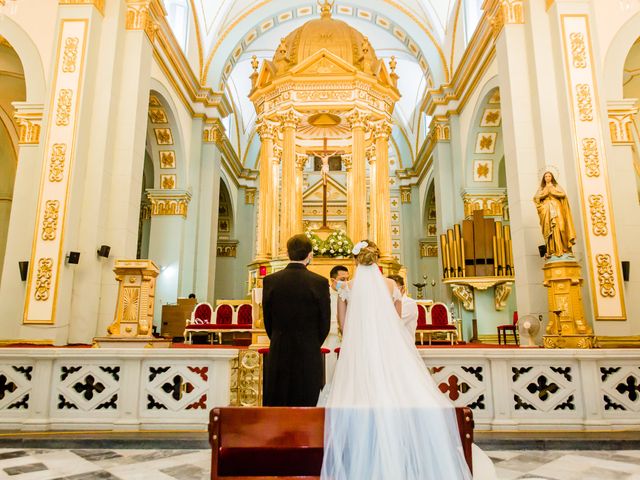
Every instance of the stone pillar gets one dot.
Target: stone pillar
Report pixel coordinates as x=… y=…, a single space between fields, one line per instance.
x=264 y=249
x=522 y=158
x=48 y=298
x=357 y=222
x=205 y=265
x=381 y=135
x=168 y=214
x=587 y=116
x=126 y=147
x=22 y=219
x=288 y=207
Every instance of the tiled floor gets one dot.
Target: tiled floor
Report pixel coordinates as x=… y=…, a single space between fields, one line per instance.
x=94 y=464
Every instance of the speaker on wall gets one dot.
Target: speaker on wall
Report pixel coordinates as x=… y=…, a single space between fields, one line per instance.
x=104 y=250
x=73 y=258
x=542 y=250
x=626 y=266
x=24 y=270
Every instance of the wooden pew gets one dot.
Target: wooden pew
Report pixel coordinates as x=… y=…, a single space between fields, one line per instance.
x=281 y=443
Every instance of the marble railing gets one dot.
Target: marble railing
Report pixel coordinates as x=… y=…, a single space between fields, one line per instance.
x=152 y=389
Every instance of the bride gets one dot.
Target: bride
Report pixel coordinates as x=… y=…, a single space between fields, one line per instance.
x=385 y=417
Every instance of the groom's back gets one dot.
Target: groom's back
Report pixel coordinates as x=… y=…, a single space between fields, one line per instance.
x=293 y=300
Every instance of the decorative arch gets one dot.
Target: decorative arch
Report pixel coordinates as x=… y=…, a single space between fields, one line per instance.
x=616 y=57
x=29 y=56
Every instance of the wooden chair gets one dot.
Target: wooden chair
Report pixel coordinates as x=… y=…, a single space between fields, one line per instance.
x=440 y=322
x=282 y=442
x=200 y=321
x=422 y=322
x=513 y=328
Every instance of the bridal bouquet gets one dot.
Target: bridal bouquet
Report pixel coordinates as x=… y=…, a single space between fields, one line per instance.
x=336 y=245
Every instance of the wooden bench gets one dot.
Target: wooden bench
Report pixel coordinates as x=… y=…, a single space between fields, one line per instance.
x=281 y=443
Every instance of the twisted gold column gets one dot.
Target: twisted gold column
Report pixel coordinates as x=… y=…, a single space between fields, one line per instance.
x=288 y=207
x=357 y=222
x=264 y=248
x=383 y=198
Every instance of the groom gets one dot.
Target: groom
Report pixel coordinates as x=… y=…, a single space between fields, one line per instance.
x=297 y=315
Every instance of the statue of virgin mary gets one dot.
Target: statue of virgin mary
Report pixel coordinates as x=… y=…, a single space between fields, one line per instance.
x=555 y=217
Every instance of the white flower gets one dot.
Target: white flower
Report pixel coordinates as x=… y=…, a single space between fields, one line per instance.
x=359 y=246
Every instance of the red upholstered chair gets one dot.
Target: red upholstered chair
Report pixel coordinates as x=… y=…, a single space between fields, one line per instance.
x=245 y=314
x=200 y=321
x=422 y=322
x=513 y=328
x=440 y=322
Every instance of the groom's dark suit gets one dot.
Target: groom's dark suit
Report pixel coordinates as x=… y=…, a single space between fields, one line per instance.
x=297 y=315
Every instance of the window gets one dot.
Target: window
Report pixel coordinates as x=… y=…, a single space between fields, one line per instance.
x=178 y=15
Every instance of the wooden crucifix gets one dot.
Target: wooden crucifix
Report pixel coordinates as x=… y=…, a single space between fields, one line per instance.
x=324 y=155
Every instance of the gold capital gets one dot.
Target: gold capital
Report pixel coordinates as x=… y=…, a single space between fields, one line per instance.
x=165 y=202
x=29 y=119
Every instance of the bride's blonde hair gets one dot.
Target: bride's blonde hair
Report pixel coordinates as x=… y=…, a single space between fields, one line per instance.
x=368 y=255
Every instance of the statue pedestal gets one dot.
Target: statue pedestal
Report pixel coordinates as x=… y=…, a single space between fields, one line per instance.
x=567 y=326
x=132 y=327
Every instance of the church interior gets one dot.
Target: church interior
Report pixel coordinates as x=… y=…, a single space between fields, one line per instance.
x=156 y=156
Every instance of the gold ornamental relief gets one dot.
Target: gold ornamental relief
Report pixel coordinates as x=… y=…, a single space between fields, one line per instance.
x=605 y=275
x=70 y=54
x=43 y=279
x=578 y=50
x=130 y=304
x=50 y=221
x=598 y=215
x=29 y=133
x=583 y=97
x=63 y=111
x=591 y=157
x=56 y=163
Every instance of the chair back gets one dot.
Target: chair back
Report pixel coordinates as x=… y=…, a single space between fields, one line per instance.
x=439 y=314
x=224 y=314
x=245 y=314
x=515 y=318
x=202 y=314
x=422 y=315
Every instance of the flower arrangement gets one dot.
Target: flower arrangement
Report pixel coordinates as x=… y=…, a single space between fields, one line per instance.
x=336 y=245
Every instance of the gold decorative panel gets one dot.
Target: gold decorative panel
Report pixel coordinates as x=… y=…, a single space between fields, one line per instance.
x=167 y=159
x=593 y=184
x=59 y=151
x=173 y=202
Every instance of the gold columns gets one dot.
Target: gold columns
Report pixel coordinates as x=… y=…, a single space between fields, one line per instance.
x=383 y=207
x=265 y=204
x=289 y=209
x=301 y=160
x=357 y=222
x=371 y=158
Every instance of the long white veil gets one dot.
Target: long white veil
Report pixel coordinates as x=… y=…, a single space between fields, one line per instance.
x=385 y=417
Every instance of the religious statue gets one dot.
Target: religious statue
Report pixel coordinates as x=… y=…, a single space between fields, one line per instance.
x=555 y=217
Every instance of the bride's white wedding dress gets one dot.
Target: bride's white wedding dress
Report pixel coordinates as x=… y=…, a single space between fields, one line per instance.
x=385 y=417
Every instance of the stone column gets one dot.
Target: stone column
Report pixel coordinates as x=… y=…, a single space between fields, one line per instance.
x=264 y=249
x=357 y=222
x=381 y=135
x=62 y=179
x=168 y=214
x=23 y=211
x=572 y=30
x=288 y=207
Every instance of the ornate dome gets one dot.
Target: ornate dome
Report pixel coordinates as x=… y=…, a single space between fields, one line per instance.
x=325 y=32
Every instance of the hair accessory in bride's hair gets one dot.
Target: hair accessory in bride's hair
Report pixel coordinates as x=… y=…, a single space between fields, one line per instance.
x=359 y=246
